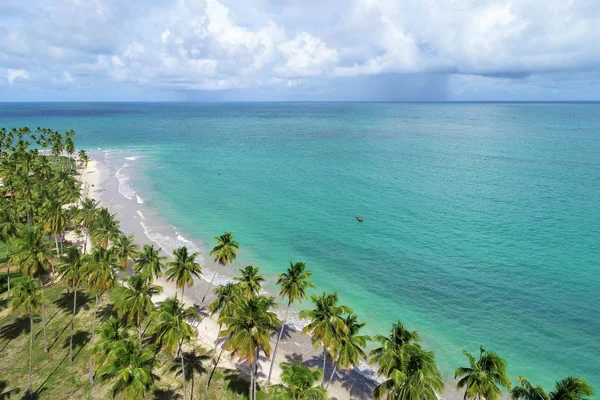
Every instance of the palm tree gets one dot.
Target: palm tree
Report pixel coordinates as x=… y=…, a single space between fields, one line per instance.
x=223 y=253
x=71 y=270
x=227 y=295
x=419 y=378
x=183 y=269
x=30 y=252
x=125 y=249
x=109 y=333
x=149 y=262
x=87 y=216
x=130 y=365
x=105 y=228
x=570 y=388
x=172 y=328
x=351 y=344
x=26 y=298
x=69 y=146
x=326 y=323
x=294 y=283
x=394 y=350
x=249 y=328
x=31 y=255
x=55 y=220
x=299 y=383
x=83 y=158
x=484 y=377
x=8 y=230
x=101 y=275
x=250 y=281
x=135 y=300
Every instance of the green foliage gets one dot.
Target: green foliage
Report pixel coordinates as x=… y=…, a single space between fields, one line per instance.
x=135 y=299
x=326 y=320
x=125 y=249
x=129 y=367
x=26 y=296
x=250 y=281
x=149 y=262
x=249 y=327
x=294 y=282
x=183 y=269
x=105 y=228
x=225 y=252
x=299 y=383
x=30 y=253
x=570 y=388
x=484 y=377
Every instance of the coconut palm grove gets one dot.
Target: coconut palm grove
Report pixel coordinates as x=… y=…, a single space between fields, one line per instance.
x=79 y=316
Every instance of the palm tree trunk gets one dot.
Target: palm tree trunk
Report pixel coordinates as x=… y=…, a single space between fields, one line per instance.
x=8 y=268
x=44 y=322
x=87 y=235
x=209 y=286
x=182 y=372
x=217 y=339
x=324 y=360
x=182 y=288
x=277 y=344
x=255 y=373
x=252 y=382
x=73 y=324
x=212 y=373
x=334 y=366
x=57 y=250
x=30 y=346
x=91 y=371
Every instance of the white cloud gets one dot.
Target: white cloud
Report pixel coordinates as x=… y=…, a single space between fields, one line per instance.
x=304 y=56
x=223 y=44
x=16 y=74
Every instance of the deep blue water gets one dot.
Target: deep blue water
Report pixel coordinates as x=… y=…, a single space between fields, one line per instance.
x=481 y=221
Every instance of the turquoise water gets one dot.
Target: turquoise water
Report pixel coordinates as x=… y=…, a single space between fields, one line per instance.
x=481 y=221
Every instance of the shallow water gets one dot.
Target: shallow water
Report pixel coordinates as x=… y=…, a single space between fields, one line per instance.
x=481 y=221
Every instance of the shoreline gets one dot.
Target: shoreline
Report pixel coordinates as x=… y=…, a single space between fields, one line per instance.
x=101 y=182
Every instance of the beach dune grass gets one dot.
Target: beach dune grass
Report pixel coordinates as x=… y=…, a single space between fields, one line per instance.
x=55 y=378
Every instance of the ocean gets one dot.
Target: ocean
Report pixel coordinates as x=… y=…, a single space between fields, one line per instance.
x=481 y=220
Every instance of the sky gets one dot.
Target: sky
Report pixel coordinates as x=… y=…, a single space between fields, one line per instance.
x=321 y=50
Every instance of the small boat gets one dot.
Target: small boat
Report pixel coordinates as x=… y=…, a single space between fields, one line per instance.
x=359 y=218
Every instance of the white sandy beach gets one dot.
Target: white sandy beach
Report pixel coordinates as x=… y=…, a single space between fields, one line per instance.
x=99 y=183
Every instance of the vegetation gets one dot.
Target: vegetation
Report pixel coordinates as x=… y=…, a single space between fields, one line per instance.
x=484 y=377
x=132 y=348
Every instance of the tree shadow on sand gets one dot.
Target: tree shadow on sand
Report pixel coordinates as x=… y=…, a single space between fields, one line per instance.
x=359 y=387
x=65 y=302
x=33 y=396
x=80 y=339
x=237 y=383
x=166 y=394
x=288 y=330
x=106 y=311
x=194 y=364
x=6 y=394
x=15 y=329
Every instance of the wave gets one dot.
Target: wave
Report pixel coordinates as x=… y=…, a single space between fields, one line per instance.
x=139 y=199
x=124 y=186
x=131 y=158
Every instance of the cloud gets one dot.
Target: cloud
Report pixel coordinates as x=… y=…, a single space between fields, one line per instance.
x=182 y=46
x=15 y=75
x=304 y=56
